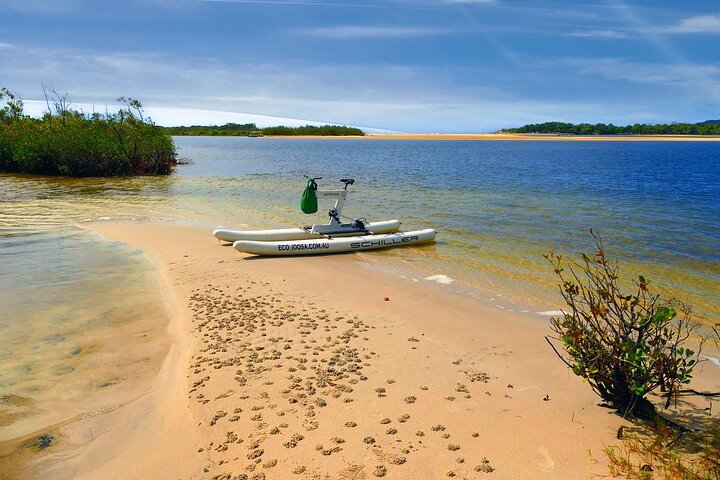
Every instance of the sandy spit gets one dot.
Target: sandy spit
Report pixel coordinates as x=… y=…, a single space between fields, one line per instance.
x=286 y=368
x=521 y=137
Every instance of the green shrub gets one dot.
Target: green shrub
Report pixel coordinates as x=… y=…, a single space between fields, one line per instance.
x=68 y=142
x=625 y=341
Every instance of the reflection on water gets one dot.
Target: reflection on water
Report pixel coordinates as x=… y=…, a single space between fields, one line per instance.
x=29 y=203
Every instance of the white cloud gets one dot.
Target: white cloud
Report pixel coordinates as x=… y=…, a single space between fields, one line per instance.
x=692 y=79
x=389 y=97
x=609 y=34
x=5 y=45
x=363 y=32
x=372 y=96
x=697 y=24
x=173 y=116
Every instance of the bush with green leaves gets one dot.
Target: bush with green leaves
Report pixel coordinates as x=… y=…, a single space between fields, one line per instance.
x=69 y=142
x=625 y=340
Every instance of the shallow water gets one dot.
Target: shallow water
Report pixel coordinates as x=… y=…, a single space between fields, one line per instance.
x=81 y=327
x=497 y=205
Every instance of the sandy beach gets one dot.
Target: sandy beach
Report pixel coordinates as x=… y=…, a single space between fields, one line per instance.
x=299 y=368
x=521 y=137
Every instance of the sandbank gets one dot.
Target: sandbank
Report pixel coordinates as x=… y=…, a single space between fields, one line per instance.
x=520 y=137
x=299 y=368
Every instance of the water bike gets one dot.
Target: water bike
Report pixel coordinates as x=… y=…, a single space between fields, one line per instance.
x=336 y=236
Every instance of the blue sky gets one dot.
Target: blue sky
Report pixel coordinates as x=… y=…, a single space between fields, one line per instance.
x=395 y=65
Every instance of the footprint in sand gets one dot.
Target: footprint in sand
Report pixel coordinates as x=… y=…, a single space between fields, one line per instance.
x=547 y=465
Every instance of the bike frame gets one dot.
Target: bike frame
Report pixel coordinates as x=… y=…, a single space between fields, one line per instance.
x=335 y=226
x=340 y=196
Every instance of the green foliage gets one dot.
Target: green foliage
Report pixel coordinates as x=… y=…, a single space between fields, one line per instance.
x=69 y=142
x=13 y=105
x=325 y=130
x=626 y=342
x=246 y=129
x=229 y=129
x=9 y=114
x=710 y=127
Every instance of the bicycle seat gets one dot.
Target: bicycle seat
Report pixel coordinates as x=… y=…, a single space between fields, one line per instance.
x=347 y=181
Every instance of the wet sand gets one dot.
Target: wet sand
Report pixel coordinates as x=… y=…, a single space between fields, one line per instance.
x=81 y=337
x=298 y=368
x=521 y=137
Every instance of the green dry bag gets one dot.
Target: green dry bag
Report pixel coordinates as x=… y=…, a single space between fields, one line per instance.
x=308 y=201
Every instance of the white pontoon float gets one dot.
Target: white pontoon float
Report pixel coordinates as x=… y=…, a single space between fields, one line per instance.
x=335 y=245
x=333 y=237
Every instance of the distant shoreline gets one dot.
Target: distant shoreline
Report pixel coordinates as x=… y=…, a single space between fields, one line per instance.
x=517 y=137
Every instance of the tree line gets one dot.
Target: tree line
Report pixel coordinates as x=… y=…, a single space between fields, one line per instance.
x=251 y=129
x=710 y=127
x=66 y=141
